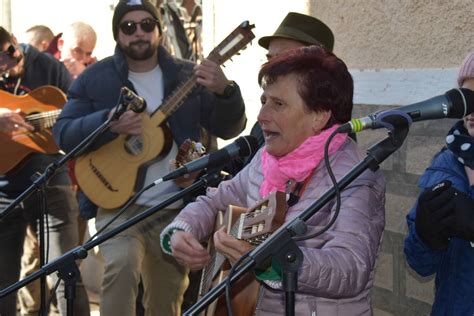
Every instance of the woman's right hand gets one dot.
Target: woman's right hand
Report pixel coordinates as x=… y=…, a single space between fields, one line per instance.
x=188 y=251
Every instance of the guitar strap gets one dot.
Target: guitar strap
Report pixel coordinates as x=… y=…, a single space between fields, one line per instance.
x=296 y=189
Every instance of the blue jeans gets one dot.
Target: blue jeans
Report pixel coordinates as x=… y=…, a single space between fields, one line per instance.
x=62 y=226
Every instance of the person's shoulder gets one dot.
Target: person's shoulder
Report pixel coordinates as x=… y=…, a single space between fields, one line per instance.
x=444 y=157
x=444 y=165
x=101 y=64
x=35 y=56
x=99 y=67
x=349 y=152
x=350 y=155
x=167 y=61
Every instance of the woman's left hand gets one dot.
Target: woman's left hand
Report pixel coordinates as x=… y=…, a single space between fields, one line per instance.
x=230 y=247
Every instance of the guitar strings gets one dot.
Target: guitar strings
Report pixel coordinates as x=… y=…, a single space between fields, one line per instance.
x=38 y=116
x=43 y=120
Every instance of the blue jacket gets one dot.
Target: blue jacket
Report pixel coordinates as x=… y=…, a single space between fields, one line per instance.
x=454 y=267
x=40 y=69
x=97 y=90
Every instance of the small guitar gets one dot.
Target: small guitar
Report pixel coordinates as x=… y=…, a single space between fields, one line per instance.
x=110 y=175
x=253 y=225
x=188 y=151
x=40 y=108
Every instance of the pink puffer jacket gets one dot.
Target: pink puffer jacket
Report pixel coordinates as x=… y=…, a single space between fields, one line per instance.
x=337 y=273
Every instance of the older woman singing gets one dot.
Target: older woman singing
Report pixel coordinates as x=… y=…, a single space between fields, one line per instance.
x=307 y=94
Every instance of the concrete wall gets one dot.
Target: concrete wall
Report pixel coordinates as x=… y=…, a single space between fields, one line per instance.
x=399 y=52
x=399 y=33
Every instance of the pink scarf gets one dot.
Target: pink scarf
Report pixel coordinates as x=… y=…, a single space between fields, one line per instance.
x=298 y=164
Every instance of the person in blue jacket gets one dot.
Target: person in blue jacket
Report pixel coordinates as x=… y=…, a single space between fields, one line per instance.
x=33 y=70
x=441 y=223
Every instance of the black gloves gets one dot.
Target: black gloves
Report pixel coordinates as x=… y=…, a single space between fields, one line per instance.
x=464 y=215
x=443 y=212
x=435 y=215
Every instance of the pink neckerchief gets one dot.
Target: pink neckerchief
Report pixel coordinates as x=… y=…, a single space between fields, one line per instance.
x=298 y=164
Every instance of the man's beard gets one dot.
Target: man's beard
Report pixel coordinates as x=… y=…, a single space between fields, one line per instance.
x=131 y=52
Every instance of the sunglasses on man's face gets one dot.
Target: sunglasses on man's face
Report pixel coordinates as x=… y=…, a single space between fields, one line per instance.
x=130 y=27
x=10 y=51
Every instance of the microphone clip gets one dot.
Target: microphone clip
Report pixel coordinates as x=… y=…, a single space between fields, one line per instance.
x=132 y=101
x=392 y=119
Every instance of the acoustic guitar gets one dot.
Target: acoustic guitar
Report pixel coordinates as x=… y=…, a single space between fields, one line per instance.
x=253 y=225
x=110 y=175
x=40 y=108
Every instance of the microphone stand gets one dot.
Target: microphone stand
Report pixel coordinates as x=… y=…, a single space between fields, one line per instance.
x=281 y=246
x=39 y=185
x=66 y=265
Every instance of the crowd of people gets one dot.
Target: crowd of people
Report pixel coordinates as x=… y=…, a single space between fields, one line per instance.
x=307 y=93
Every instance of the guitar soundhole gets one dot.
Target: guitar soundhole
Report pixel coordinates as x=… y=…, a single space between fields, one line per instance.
x=133 y=145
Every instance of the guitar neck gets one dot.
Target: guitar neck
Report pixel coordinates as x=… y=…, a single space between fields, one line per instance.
x=234 y=42
x=175 y=100
x=43 y=120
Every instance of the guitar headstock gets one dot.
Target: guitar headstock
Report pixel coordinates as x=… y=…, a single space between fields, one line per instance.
x=263 y=219
x=235 y=41
x=189 y=151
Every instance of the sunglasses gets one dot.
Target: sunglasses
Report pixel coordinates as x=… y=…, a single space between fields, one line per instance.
x=130 y=27
x=10 y=51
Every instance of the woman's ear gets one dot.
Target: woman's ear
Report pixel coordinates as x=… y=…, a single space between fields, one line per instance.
x=320 y=120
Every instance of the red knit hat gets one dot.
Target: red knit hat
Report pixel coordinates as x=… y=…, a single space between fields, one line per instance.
x=467 y=69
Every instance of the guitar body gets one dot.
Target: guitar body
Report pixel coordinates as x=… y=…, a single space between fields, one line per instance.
x=16 y=147
x=112 y=173
x=252 y=225
x=245 y=291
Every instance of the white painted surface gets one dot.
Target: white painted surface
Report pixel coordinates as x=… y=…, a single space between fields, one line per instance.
x=401 y=86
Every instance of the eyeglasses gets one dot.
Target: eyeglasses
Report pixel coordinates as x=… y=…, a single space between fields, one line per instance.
x=130 y=27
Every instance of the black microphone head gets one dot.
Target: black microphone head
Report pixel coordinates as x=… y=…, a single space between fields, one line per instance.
x=247 y=145
x=462 y=102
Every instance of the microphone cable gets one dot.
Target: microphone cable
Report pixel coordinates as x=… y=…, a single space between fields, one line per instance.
x=123 y=209
x=235 y=267
x=336 y=188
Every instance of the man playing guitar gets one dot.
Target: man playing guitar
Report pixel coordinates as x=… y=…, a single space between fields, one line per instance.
x=142 y=65
x=33 y=70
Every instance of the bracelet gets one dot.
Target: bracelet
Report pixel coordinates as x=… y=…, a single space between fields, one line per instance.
x=166 y=240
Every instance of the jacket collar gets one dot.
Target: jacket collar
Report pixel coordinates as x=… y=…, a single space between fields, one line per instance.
x=169 y=65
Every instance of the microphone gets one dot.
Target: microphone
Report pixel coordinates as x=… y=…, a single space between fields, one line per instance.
x=241 y=147
x=456 y=103
x=132 y=101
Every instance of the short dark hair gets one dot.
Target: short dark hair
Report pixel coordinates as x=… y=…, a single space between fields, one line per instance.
x=325 y=81
x=5 y=36
x=41 y=33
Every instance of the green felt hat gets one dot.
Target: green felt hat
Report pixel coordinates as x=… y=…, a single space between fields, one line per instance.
x=302 y=28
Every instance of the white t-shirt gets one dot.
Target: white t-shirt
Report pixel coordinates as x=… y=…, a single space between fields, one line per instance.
x=149 y=85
